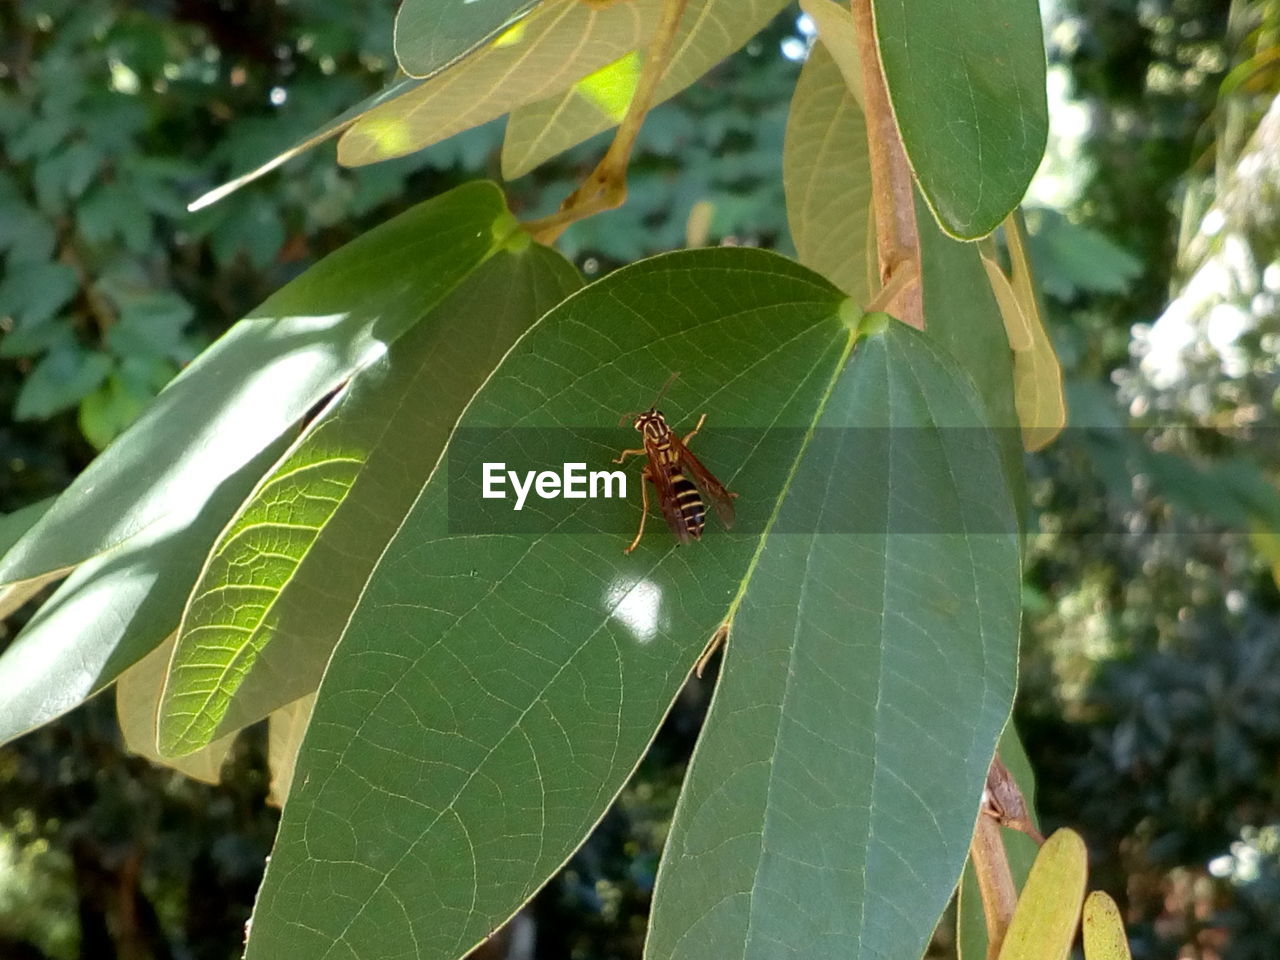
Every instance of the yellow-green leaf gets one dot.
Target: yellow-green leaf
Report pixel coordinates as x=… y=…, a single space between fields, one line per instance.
x=1037 y=375
x=545 y=54
x=137 y=705
x=1044 y=923
x=1104 y=936
x=835 y=28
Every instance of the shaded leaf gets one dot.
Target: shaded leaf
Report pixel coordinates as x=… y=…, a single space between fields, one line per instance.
x=967 y=82
x=492 y=694
x=827 y=177
x=286 y=573
x=709 y=31
x=431 y=34
x=285 y=730
x=835 y=28
x=59 y=381
x=544 y=54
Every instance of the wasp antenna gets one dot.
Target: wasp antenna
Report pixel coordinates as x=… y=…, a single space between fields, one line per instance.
x=625 y=417
x=661 y=393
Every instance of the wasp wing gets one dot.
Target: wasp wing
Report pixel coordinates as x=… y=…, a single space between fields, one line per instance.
x=706 y=481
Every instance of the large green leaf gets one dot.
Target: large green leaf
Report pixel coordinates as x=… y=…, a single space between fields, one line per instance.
x=827 y=176
x=709 y=31
x=281 y=583
x=431 y=34
x=258 y=379
x=967 y=82
x=558 y=44
x=829 y=805
x=493 y=693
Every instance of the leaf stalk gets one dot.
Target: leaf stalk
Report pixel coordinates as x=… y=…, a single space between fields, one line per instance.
x=605 y=188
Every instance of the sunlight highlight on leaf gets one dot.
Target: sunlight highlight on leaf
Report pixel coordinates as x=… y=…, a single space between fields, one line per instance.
x=611 y=87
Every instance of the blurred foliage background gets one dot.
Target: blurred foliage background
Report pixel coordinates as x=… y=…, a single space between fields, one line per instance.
x=1150 y=699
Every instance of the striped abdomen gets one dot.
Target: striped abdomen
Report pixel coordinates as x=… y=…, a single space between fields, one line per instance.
x=693 y=513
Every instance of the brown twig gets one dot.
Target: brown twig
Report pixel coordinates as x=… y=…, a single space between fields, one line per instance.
x=892 y=193
x=606 y=186
x=995 y=881
x=1003 y=805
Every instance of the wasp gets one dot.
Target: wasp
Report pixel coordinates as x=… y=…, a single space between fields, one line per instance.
x=676 y=475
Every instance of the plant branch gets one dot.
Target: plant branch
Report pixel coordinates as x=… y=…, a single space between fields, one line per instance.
x=892 y=191
x=606 y=186
x=995 y=881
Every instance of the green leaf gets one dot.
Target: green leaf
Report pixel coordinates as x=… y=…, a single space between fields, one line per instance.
x=431 y=34
x=262 y=376
x=830 y=801
x=12 y=527
x=137 y=703
x=492 y=694
x=967 y=82
x=33 y=291
x=281 y=583
x=1048 y=913
x=710 y=30
x=970 y=329
x=544 y=54
x=113 y=609
x=1104 y=935
x=827 y=176
x=60 y=380
x=105 y=413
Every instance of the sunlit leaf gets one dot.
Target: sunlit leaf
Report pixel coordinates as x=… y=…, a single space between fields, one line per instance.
x=493 y=693
x=967 y=82
x=140 y=520
x=285 y=574
x=555 y=46
x=830 y=801
x=710 y=30
x=1104 y=936
x=1048 y=913
x=261 y=376
x=138 y=699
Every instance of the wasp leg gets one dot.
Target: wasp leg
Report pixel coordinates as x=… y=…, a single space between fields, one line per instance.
x=694 y=432
x=645 y=478
x=627 y=453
